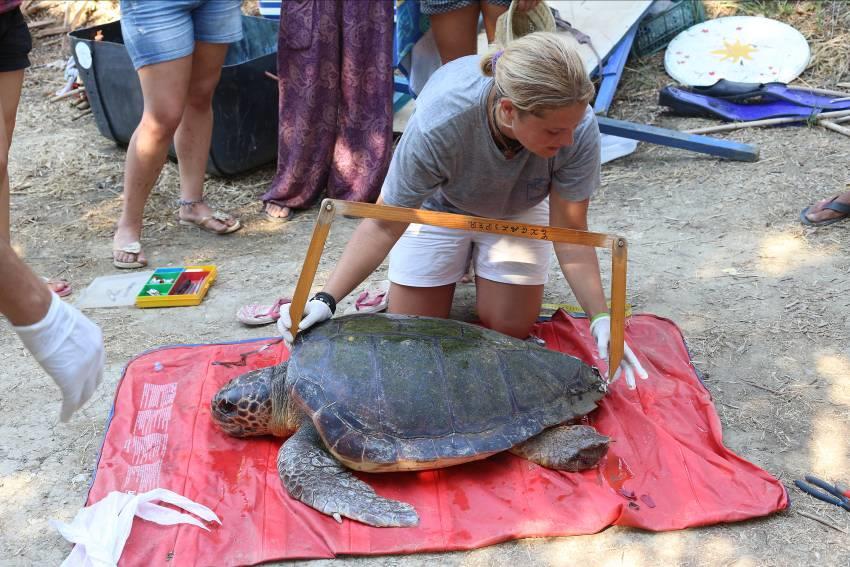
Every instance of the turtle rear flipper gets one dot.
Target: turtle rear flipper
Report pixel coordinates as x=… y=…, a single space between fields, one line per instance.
x=313 y=476
x=565 y=448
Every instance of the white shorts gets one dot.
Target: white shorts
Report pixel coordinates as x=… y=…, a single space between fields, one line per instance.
x=431 y=256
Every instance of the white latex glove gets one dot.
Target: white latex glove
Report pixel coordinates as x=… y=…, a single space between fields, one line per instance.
x=70 y=349
x=101 y=530
x=630 y=365
x=314 y=312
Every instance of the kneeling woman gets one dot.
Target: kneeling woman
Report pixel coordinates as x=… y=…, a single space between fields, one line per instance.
x=511 y=137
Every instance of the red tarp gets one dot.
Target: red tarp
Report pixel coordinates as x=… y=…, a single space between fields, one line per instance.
x=667 y=451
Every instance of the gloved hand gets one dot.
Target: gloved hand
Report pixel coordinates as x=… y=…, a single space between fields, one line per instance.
x=600 y=328
x=70 y=349
x=315 y=311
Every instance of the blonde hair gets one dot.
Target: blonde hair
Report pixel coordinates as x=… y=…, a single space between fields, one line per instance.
x=539 y=71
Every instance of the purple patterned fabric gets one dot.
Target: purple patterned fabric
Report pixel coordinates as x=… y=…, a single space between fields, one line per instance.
x=335 y=123
x=8 y=5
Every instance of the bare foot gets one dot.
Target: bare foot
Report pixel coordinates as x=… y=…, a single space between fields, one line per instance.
x=818 y=213
x=199 y=210
x=277 y=212
x=126 y=248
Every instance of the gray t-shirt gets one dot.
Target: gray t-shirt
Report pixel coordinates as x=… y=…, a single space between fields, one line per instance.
x=447 y=160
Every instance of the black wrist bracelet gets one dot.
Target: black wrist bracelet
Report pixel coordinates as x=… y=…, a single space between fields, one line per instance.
x=327 y=299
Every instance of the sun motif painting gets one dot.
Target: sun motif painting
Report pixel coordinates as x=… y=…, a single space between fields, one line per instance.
x=741 y=48
x=735 y=52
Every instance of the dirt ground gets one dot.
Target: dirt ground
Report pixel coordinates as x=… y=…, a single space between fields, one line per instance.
x=715 y=245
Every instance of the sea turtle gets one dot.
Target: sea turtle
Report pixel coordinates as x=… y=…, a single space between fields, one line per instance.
x=380 y=393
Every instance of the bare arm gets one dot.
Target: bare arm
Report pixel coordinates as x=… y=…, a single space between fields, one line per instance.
x=578 y=263
x=24 y=297
x=369 y=245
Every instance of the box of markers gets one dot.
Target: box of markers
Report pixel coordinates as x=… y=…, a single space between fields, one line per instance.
x=176 y=287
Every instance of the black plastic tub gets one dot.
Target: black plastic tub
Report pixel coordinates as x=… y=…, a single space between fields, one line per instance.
x=244 y=105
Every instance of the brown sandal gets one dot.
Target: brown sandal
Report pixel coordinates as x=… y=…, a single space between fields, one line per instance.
x=208 y=222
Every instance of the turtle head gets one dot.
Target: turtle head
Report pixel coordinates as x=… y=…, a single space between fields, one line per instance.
x=254 y=403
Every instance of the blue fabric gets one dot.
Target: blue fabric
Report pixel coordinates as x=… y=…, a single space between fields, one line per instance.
x=687 y=103
x=410 y=25
x=155 y=32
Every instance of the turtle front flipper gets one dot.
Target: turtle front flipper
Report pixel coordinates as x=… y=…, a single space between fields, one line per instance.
x=565 y=448
x=313 y=476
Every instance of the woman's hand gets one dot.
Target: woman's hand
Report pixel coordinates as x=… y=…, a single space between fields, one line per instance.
x=630 y=365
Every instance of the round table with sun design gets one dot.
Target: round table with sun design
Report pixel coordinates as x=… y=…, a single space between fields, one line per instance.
x=740 y=48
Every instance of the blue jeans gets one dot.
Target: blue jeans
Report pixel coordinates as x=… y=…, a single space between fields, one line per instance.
x=164 y=30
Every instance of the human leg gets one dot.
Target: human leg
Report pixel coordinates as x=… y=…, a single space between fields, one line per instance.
x=15 y=45
x=193 y=136
x=510 y=274
x=307 y=63
x=10 y=95
x=424 y=301
x=508 y=308
x=425 y=263
x=164 y=90
x=215 y=25
x=14 y=48
x=364 y=140
x=491 y=10
x=455 y=26
x=159 y=38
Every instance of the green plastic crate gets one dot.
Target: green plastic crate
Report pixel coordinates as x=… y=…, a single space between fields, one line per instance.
x=656 y=30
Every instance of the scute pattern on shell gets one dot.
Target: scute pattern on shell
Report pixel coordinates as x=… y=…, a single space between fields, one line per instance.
x=390 y=389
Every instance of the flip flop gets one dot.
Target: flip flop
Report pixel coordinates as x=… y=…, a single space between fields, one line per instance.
x=833 y=206
x=373 y=300
x=134 y=248
x=256 y=314
x=64 y=292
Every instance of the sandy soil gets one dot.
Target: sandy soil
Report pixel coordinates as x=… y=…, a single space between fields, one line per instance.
x=715 y=245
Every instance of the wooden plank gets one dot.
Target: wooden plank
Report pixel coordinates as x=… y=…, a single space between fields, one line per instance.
x=311 y=262
x=814 y=117
x=331 y=207
x=829 y=125
x=51 y=31
x=64 y=95
x=825 y=92
x=40 y=24
x=619 y=256
x=673 y=138
x=477 y=224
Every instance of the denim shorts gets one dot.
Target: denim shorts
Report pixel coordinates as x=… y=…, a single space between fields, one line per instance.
x=432 y=7
x=156 y=31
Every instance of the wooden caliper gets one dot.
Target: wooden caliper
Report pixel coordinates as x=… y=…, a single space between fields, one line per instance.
x=332 y=207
